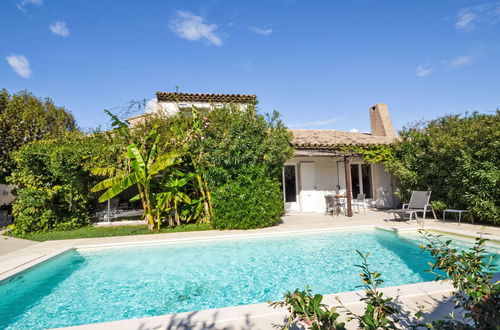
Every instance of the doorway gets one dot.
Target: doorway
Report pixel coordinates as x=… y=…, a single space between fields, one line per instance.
x=361 y=180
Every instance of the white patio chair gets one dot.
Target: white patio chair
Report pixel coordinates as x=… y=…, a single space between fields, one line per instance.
x=360 y=201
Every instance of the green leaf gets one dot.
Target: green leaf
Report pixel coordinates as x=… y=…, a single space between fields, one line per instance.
x=126 y=182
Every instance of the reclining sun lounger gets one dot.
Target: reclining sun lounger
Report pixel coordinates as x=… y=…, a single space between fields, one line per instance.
x=419 y=202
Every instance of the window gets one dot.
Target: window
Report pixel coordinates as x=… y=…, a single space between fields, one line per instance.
x=361 y=180
x=290 y=183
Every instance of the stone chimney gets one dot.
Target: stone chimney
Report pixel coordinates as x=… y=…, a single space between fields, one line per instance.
x=380 y=120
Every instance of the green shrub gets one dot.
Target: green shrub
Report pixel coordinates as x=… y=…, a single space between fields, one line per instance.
x=247 y=202
x=53 y=183
x=457 y=158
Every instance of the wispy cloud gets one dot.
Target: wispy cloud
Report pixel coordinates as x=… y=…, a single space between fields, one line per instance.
x=20 y=65
x=446 y=64
x=465 y=20
x=460 y=61
x=21 y=5
x=314 y=123
x=60 y=28
x=423 y=70
x=469 y=18
x=261 y=31
x=192 y=27
x=354 y=130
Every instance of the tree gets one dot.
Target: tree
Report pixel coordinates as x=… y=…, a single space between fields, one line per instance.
x=25 y=118
x=143 y=166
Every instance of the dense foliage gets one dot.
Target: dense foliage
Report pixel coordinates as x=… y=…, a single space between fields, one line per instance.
x=25 y=118
x=242 y=154
x=247 y=202
x=221 y=168
x=477 y=299
x=53 y=182
x=457 y=158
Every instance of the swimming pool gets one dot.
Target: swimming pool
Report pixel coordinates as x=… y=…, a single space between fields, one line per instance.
x=98 y=285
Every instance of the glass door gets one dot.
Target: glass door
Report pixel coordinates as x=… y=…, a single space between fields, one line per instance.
x=361 y=180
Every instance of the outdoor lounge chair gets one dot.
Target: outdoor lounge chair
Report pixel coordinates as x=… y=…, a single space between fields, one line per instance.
x=419 y=202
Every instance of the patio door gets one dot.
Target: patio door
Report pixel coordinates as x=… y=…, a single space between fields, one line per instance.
x=290 y=188
x=361 y=180
x=307 y=187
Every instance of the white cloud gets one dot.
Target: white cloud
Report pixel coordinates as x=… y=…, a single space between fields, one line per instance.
x=20 y=65
x=354 y=130
x=423 y=70
x=22 y=4
x=460 y=61
x=193 y=27
x=486 y=14
x=262 y=32
x=465 y=20
x=60 y=28
x=314 y=123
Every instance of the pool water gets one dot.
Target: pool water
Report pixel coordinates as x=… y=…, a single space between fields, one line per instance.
x=88 y=286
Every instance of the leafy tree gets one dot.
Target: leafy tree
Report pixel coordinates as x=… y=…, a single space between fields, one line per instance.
x=241 y=155
x=457 y=158
x=25 y=118
x=53 y=182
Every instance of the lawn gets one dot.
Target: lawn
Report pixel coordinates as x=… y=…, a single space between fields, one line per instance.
x=90 y=232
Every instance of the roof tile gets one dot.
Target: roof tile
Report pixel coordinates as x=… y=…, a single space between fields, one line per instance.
x=205 y=98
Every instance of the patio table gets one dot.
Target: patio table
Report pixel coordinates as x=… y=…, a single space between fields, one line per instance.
x=455 y=211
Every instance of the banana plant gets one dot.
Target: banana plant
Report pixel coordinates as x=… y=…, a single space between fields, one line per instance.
x=175 y=194
x=144 y=165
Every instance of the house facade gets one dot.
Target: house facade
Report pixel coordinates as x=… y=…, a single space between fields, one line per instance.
x=317 y=168
x=172 y=103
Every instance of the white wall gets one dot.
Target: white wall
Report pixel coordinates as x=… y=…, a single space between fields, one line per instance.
x=172 y=108
x=329 y=174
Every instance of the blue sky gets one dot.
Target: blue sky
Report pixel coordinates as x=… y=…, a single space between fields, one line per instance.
x=321 y=64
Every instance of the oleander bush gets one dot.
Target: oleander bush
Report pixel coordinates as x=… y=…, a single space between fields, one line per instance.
x=457 y=157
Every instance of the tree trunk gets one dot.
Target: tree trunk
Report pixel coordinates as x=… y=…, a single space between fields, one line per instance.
x=177 y=220
x=206 y=204
x=149 y=209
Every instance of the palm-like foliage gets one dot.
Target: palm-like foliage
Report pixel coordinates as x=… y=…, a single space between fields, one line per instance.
x=144 y=165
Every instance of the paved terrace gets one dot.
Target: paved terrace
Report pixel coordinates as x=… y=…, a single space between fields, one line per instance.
x=17 y=255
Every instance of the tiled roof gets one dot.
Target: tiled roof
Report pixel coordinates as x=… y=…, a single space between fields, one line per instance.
x=205 y=98
x=329 y=139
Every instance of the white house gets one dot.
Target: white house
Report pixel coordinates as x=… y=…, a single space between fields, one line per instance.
x=317 y=168
x=173 y=103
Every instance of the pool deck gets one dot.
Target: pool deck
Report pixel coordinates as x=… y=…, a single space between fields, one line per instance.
x=19 y=255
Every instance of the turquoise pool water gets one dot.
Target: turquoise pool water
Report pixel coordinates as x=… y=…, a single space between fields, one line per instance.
x=88 y=286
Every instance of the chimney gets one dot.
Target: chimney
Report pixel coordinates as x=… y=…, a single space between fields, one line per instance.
x=380 y=120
